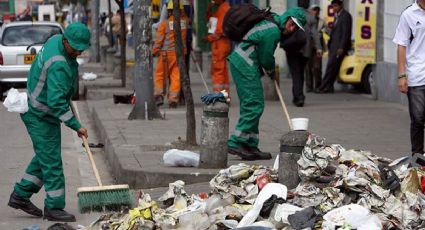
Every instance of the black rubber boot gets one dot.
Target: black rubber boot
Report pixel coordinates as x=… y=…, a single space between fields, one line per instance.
x=259 y=155
x=24 y=204
x=242 y=152
x=58 y=215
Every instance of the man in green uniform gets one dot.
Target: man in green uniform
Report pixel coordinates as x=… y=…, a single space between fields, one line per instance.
x=255 y=52
x=51 y=83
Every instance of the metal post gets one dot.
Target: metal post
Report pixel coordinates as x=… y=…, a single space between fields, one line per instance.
x=95 y=54
x=143 y=71
x=214 y=134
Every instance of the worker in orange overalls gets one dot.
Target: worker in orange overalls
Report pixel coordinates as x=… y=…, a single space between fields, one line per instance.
x=167 y=68
x=220 y=45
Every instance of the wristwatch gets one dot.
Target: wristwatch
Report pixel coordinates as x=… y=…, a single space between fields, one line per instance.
x=402 y=75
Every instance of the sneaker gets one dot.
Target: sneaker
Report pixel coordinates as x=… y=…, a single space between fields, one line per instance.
x=159 y=100
x=259 y=154
x=24 y=204
x=242 y=153
x=59 y=215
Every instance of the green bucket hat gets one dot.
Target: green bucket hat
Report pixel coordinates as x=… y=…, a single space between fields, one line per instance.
x=78 y=36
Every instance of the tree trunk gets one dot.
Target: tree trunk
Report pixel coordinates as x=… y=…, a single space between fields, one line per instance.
x=184 y=78
x=123 y=42
x=145 y=107
x=95 y=54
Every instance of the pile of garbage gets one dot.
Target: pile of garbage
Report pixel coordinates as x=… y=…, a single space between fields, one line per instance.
x=339 y=189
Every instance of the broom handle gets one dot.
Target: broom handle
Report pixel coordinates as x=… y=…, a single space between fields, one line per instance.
x=200 y=71
x=86 y=146
x=285 y=111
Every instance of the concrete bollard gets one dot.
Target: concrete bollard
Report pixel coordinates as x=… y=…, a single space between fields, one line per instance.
x=291 y=147
x=214 y=134
x=109 y=65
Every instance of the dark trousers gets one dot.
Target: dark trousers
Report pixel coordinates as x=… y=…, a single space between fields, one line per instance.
x=296 y=63
x=416 y=97
x=332 y=71
x=313 y=72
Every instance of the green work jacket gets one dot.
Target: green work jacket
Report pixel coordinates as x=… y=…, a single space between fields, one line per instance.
x=52 y=81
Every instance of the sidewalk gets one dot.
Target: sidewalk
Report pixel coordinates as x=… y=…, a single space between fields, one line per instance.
x=134 y=149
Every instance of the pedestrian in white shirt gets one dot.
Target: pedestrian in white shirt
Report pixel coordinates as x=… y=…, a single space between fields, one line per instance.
x=410 y=40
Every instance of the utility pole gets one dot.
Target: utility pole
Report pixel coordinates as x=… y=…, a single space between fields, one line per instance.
x=184 y=77
x=145 y=107
x=95 y=55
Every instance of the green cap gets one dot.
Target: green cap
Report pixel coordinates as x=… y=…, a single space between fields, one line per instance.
x=78 y=36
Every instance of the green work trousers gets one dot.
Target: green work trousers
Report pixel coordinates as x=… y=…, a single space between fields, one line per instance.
x=250 y=93
x=45 y=167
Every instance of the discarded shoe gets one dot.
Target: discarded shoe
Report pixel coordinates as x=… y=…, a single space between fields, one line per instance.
x=58 y=215
x=243 y=153
x=24 y=204
x=260 y=155
x=92 y=145
x=122 y=99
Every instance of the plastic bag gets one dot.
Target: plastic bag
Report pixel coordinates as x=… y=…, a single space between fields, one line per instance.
x=270 y=189
x=181 y=158
x=16 y=102
x=354 y=215
x=89 y=76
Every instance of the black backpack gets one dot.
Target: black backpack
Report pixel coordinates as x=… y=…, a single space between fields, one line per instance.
x=241 y=18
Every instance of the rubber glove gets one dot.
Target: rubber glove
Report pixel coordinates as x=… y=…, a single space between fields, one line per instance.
x=211 y=98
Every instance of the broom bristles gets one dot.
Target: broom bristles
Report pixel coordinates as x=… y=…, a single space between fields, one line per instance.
x=104 y=198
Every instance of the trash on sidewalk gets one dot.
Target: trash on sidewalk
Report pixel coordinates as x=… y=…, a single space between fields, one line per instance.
x=32 y=227
x=340 y=189
x=124 y=99
x=181 y=158
x=89 y=76
x=16 y=102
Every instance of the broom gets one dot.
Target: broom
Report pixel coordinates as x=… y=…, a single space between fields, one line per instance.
x=101 y=198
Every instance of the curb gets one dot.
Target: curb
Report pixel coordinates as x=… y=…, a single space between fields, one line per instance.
x=132 y=164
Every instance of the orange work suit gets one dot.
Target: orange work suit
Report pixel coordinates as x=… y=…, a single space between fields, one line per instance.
x=167 y=67
x=220 y=49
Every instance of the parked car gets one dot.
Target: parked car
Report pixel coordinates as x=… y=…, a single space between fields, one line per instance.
x=19 y=43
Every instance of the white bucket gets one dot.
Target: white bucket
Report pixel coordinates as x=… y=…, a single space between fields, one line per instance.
x=299 y=123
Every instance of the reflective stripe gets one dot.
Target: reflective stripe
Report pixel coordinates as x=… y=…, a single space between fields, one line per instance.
x=173 y=94
x=245 y=54
x=43 y=75
x=56 y=193
x=33 y=179
x=38 y=105
x=170 y=45
x=66 y=116
x=40 y=84
x=266 y=26
x=246 y=135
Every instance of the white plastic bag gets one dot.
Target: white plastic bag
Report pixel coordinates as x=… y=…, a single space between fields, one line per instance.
x=181 y=158
x=270 y=189
x=16 y=102
x=353 y=215
x=89 y=76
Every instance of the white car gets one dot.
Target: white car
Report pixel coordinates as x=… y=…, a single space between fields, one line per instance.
x=19 y=43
